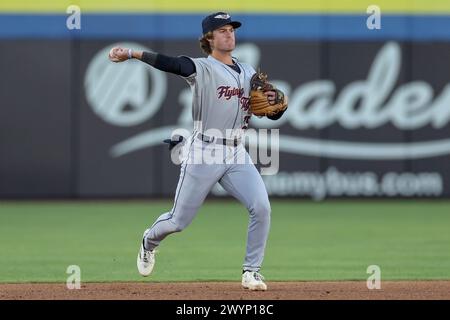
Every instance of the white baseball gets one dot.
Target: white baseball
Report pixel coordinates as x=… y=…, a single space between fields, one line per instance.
x=112 y=55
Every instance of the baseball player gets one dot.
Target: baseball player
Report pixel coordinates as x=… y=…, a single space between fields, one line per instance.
x=221 y=92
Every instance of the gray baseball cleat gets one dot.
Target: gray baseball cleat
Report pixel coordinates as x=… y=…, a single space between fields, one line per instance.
x=145 y=261
x=253 y=280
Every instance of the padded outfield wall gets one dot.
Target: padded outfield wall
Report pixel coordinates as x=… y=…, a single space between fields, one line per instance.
x=368 y=116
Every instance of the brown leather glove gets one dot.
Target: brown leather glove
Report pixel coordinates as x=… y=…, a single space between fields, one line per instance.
x=259 y=102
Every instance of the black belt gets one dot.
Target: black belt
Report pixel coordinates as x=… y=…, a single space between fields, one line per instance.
x=227 y=142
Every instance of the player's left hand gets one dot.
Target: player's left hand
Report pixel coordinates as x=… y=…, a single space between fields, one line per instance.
x=271 y=95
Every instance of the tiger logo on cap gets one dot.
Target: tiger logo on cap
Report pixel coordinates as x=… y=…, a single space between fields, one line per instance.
x=222 y=16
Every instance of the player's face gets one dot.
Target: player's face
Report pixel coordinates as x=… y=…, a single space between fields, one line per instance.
x=223 y=38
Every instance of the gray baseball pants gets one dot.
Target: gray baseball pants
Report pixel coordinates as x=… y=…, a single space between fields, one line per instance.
x=237 y=175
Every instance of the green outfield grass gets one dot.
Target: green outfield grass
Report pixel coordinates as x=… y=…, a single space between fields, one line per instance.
x=332 y=240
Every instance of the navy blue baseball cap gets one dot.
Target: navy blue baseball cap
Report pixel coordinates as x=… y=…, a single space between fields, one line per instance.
x=217 y=20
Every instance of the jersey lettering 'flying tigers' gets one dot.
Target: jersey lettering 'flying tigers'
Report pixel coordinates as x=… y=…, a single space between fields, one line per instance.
x=220 y=95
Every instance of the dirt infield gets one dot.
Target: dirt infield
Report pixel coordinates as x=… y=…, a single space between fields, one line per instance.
x=342 y=290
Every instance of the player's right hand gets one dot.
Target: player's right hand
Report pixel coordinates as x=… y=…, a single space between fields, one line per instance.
x=118 y=54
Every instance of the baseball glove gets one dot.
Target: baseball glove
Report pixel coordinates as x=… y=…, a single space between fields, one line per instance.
x=174 y=141
x=259 y=104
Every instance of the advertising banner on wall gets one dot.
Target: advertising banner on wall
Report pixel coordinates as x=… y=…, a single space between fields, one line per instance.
x=365 y=119
x=36 y=97
x=368 y=90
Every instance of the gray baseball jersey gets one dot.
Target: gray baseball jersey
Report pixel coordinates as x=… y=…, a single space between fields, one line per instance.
x=221 y=96
x=220 y=103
